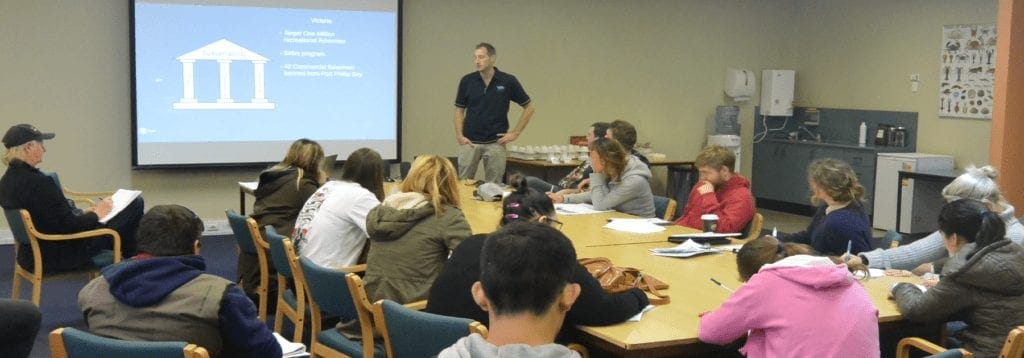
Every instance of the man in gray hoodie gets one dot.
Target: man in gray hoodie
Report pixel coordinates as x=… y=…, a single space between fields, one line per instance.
x=524 y=286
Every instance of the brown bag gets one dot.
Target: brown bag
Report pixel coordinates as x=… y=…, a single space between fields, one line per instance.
x=615 y=279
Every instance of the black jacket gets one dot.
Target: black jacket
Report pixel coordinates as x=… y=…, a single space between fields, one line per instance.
x=450 y=295
x=25 y=187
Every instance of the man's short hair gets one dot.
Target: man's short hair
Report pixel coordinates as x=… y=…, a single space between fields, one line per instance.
x=524 y=267
x=624 y=132
x=490 y=48
x=169 y=230
x=716 y=157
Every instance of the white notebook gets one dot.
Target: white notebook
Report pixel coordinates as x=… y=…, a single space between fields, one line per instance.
x=121 y=199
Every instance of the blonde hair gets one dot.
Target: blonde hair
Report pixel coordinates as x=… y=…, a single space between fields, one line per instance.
x=976 y=183
x=716 y=157
x=835 y=178
x=16 y=152
x=614 y=155
x=305 y=156
x=434 y=177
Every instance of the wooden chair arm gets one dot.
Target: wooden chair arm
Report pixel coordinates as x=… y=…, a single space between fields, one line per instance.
x=417 y=305
x=87 y=194
x=83 y=200
x=354 y=268
x=904 y=346
x=79 y=235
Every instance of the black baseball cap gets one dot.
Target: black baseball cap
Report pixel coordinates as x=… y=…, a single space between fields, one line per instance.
x=24 y=133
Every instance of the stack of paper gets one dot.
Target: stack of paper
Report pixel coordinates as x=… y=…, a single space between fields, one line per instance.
x=290 y=349
x=577 y=209
x=686 y=249
x=639 y=227
x=121 y=199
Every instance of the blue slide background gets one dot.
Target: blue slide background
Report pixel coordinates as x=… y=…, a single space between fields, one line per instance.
x=320 y=108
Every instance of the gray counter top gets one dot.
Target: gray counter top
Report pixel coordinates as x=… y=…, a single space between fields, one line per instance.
x=840 y=144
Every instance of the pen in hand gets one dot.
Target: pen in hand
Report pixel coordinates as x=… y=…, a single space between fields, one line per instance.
x=721 y=285
x=849 y=245
x=775 y=232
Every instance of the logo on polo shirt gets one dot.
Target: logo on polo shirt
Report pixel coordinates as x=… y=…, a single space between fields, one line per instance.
x=501 y=88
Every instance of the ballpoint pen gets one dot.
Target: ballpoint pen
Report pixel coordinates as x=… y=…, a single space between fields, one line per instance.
x=720 y=284
x=775 y=232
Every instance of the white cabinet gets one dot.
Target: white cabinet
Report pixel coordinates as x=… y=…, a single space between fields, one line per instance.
x=913 y=218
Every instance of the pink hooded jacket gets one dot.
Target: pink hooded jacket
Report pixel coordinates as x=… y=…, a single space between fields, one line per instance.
x=800 y=306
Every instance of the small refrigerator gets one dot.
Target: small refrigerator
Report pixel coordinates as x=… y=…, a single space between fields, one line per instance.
x=920 y=203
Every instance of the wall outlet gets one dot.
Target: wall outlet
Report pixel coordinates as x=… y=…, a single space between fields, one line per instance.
x=216 y=227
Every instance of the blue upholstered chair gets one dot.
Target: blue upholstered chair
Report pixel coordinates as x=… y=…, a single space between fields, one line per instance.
x=329 y=295
x=411 y=333
x=250 y=241
x=27 y=237
x=665 y=208
x=68 y=342
x=291 y=302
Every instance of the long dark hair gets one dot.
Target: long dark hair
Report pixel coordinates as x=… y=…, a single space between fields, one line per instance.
x=365 y=167
x=972 y=221
x=524 y=202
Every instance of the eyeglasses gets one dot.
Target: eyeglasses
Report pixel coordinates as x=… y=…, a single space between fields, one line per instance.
x=554 y=223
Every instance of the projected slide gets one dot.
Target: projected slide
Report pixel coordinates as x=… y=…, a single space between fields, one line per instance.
x=237 y=84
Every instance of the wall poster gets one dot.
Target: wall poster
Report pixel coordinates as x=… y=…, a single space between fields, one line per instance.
x=967 y=71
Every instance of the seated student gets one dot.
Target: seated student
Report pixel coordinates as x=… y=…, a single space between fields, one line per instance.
x=619 y=182
x=331 y=228
x=625 y=133
x=280 y=194
x=163 y=294
x=525 y=287
x=18 y=328
x=450 y=295
x=23 y=186
x=721 y=191
x=975 y=183
x=982 y=284
x=412 y=232
x=840 y=222
x=794 y=305
x=575 y=177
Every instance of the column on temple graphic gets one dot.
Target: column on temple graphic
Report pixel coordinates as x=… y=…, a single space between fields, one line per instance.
x=188 y=81
x=258 y=79
x=225 y=82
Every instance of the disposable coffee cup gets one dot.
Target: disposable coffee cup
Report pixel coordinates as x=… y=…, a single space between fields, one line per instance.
x=710 y=222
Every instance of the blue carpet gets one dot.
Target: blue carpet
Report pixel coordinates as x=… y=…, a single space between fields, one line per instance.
x=59 y=298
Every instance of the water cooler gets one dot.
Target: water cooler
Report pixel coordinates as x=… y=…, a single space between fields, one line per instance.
x=725 y=131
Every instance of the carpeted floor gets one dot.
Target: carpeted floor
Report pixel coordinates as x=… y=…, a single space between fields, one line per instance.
x=59 y=298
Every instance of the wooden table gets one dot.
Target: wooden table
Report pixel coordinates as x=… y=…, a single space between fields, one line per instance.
x=671 y=329
x=553 y=172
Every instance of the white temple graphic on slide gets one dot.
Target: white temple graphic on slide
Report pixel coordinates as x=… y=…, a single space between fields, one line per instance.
x=224 y=52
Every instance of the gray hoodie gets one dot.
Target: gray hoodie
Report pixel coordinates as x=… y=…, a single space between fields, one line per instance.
x=631 y=194
x=476 y=346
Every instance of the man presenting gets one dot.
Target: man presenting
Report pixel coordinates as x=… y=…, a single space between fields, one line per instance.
x=720 y=191
x=481 y=116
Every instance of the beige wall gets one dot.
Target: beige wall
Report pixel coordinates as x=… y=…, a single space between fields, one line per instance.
x=860 y=54
x=658 y=64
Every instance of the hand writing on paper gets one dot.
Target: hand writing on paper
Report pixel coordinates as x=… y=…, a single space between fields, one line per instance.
x=103 y=207
x=556 y=198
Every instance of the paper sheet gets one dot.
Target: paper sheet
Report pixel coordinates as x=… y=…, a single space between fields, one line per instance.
x=577 y=209
x=640 y=314
x=121 y=199
x=290 y=349
x=686 y=249
x=639 y=227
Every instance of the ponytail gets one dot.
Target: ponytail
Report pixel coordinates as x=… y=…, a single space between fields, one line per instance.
x=992 y=229
x=972 y=221
x=523 y=203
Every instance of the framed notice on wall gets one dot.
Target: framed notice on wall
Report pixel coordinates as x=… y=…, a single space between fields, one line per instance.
x=966 y=73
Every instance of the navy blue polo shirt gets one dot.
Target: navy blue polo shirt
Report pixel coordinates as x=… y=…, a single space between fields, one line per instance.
x=487 y=107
